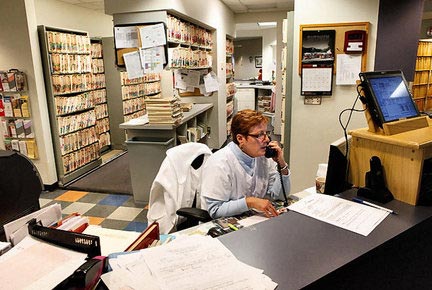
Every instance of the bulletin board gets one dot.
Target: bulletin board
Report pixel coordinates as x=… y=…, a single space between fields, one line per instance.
x=133 y=34
x=340 y=29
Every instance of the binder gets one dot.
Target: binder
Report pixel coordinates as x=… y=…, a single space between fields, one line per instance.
x=147 y=238
x=75 y=241
x=87 y=276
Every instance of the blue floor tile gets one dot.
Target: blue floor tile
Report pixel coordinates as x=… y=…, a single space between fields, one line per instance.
x=136 y=226
x=114 y=199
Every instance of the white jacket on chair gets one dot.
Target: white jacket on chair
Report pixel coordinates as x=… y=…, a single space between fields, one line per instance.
x=175 y=184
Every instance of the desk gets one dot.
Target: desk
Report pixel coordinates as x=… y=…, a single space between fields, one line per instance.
x=297 y=251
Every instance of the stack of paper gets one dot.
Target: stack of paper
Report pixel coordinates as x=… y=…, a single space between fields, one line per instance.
x=189 y=262
x=17 y=230
x=33 y=264
x=164 y=111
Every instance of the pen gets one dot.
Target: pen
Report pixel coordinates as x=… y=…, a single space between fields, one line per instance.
x=233 y=227
x=373 y=205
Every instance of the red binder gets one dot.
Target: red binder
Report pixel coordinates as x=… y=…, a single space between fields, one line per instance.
x=146 y=238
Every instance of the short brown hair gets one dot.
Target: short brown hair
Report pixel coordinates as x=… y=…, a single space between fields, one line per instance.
x=244 y=120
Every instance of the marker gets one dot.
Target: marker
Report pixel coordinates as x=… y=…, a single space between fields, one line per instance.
x=373 y=205
x=233 y=227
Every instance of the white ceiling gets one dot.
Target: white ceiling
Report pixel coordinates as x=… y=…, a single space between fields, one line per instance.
x=97 y=5
x=248 y=6
x=237 y=6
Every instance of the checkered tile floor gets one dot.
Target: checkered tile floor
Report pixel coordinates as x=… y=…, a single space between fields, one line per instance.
x=113 y=211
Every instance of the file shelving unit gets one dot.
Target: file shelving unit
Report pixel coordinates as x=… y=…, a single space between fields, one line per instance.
x=422 y=85
x=101 y=104
x=70 y=88
x=230 y=86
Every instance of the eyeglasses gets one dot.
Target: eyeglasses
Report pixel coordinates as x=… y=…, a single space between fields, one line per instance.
x=261 y=135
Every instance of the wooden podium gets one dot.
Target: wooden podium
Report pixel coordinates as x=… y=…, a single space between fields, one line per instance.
x=402 y=147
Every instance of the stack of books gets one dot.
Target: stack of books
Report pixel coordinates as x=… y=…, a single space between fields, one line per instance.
x=164 y=110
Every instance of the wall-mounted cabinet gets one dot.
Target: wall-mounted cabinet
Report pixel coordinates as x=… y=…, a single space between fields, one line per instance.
x=72 y=91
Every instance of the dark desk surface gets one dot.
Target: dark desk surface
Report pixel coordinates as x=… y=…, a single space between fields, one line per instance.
x=295 y=250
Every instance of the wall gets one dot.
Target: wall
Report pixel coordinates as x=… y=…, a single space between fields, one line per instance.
x=19 y=23
x=314 y=127
x=59 y=14
x=399 y=28
x=243 y=49
x=19 y=49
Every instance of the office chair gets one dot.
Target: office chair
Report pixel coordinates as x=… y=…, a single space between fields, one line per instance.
x=174 y=196
x=20 y=187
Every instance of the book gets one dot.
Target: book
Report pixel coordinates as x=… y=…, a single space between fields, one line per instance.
x=31 y=149
x=2 y=112
x=22 y=147
x=7 y=104
x=19 y=127
x=11 y=81
x=147 y=237
x=4 y=81
x=25 y=106
x=28 y=129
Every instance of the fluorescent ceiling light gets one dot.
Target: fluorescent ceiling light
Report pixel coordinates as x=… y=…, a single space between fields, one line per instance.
x=267 y=24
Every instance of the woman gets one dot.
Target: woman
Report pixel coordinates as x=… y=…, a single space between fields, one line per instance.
x=239 y=177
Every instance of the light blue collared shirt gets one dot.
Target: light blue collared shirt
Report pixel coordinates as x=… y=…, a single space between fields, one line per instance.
x=220 y=208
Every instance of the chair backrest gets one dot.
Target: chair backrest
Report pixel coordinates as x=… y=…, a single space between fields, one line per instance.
x=176 y=183
x=20 y=187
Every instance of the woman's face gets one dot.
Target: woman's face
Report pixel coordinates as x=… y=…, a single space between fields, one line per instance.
x=255 y=142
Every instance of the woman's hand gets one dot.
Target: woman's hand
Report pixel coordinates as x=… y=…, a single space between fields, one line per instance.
x=261 y=204
x=279 y=158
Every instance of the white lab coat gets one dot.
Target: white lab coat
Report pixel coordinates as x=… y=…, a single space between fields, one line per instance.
x=175 y=184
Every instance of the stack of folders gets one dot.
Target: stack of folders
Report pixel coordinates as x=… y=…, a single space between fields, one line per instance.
x=164 y=111
x=17 y=230
x=73 y=222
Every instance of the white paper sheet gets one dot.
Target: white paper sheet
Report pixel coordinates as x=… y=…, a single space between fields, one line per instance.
x=133 y=64
x=33 y=264
x=152 y=35
x=343 y=213
x=112 y=241
x=211 y=82
x=316 y=79
x=126 y=37
x=16 y=230
x=189 y=262
x=152 y=59
x=348 y=67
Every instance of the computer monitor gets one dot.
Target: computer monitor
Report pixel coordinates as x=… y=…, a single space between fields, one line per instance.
x=337 y=167
x=387 y=96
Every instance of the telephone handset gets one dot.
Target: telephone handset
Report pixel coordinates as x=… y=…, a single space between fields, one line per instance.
x=375 y=188
x=270 y=152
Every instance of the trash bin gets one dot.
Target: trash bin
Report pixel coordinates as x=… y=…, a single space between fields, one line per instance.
x=145 y=158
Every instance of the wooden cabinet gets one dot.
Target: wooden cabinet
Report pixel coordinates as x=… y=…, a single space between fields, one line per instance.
x=402 y=156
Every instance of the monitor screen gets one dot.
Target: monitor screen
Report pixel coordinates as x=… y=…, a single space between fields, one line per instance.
x=337 y=167
x=387 y=95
